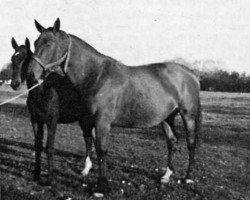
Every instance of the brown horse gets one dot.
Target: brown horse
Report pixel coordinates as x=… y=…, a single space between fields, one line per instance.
x=54 y=101
x=114 y=94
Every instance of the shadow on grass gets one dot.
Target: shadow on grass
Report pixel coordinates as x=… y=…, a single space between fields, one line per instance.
x=20 y=163
x=221 y=136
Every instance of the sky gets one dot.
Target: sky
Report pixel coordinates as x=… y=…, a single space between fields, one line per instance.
x=139 y=31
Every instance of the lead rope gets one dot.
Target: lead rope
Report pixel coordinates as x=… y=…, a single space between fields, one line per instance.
x=38 y=60
x=26 y=91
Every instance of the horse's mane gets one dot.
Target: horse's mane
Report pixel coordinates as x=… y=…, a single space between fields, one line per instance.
x=86 y=45
x=93 y=50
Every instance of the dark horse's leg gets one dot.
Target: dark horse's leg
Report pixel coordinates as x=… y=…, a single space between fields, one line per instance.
x=171 y=140
x=87 y=134
x=192 y=123
x=38 y=133
x=102 y=129
x=50 y=145
x=171 y=122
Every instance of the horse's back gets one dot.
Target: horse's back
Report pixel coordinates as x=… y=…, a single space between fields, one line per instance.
x=150 y=93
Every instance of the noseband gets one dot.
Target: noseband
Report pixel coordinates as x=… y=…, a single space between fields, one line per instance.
x=47 y=67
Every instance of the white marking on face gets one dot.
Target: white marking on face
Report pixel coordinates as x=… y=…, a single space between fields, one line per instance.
x=17 y=53
x=87 y=167
x=166 y=177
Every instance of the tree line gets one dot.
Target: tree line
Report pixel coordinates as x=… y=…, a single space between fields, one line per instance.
x=210 y=80
x=223 y=81
x=5 y=74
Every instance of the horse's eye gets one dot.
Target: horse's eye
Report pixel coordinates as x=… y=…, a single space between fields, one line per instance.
x=35 y=43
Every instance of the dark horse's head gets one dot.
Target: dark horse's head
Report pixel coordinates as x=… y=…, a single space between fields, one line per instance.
x=20 y=60
x=51 y=49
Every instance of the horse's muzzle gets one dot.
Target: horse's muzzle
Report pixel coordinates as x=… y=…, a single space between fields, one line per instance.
x=15 y=85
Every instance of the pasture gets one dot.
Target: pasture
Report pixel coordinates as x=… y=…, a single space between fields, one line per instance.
x=136 y=158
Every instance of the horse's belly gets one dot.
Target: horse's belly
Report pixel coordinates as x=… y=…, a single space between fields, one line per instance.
x=143 y=113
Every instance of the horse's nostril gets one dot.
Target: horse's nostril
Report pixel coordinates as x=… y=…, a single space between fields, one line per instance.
x=15 y=85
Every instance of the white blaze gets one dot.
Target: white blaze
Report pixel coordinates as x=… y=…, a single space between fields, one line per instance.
x=166 y=177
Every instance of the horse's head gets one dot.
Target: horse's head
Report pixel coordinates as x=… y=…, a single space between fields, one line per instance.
x=51 y=49
x=19 y=61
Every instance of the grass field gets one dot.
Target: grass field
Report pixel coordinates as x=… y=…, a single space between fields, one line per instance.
x=136 y=158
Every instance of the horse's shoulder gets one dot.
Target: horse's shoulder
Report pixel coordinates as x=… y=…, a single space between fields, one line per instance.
x=113 y=70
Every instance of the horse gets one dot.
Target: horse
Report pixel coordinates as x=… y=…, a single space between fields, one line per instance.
x=114 y=94
x=53 y=102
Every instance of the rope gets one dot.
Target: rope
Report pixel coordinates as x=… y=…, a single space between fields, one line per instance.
x=67 y=59
x=26 y=91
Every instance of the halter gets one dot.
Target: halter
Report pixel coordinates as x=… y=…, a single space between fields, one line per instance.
x=56 y=63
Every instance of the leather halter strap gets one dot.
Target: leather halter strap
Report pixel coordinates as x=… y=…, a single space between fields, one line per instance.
x=56 y=63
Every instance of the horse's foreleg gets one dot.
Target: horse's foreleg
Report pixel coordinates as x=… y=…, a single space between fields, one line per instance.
x=34 y=127
x=101 y=144
x=171 y=140
x=50 y=148
x=38 y=132
x=87 y=134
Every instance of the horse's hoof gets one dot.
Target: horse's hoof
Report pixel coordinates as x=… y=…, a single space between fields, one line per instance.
x=102 y=187
x=189 y=181
x=165 y=181
x=36 y=178
x=166 y=178
x=162 y=186
x=98 y=195
x=44 y=182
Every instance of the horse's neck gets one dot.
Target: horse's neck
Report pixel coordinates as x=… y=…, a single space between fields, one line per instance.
x=84 y=63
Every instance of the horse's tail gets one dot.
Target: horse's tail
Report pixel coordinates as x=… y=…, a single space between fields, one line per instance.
x=198 y=125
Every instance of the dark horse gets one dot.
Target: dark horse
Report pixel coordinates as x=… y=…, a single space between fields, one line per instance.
x=114 y=94
x=54 y=101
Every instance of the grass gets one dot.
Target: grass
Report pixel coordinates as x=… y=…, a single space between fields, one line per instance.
x=136 y=157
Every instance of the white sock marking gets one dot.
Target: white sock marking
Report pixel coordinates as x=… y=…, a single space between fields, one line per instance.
x=166 y=177
x=87 y=167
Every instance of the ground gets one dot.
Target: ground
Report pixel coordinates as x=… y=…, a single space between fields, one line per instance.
x=137 y=158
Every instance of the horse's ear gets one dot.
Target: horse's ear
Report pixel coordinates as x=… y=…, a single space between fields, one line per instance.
x=56 y=26
x=39 y=27
x=27 y=44
x=14 y=44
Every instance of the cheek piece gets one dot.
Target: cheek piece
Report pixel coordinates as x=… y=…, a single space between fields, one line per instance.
x=47 y=69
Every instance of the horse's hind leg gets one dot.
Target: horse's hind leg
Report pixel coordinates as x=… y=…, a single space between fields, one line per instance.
x=191 y=123
x=171 y=122
x=171 y=140
x=87 y=134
